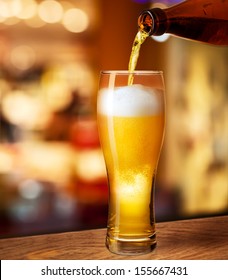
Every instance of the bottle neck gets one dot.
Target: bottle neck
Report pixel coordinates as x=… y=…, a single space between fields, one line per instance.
x=153 y=22
x=199 y=20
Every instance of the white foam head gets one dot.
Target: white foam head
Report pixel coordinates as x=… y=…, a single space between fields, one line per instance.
x=134 y=100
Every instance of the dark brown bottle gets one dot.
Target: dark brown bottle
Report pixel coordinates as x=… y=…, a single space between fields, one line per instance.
x=200 y=20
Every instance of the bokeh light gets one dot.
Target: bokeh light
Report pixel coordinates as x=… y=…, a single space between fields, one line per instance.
x=23 y=57
x=11 y=21
x=50 y=11
x=29 y=9
x=6 y=161
x=24 y=110
x=34 y=21
x=30 y=189
x=10 y=8
x=75 y=20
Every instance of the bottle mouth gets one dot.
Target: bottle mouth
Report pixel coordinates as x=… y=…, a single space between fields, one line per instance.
x=145 y=22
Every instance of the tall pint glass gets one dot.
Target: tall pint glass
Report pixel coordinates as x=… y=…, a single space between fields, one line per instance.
x=131 y=121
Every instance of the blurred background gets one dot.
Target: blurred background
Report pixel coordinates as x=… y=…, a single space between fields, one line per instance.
x=52 y=173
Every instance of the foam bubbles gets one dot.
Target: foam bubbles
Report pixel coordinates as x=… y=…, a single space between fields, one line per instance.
x=134 y=100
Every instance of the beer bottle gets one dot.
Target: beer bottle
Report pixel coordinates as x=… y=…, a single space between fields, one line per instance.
x=200 y=20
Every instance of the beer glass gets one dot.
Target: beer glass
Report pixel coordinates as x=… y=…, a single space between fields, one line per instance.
x=131 y=119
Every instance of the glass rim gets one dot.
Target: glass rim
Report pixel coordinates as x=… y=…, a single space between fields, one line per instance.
x=136 y=72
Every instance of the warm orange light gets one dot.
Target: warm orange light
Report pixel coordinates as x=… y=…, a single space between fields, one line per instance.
x=75 y=20
x=50 y=11
x=23 y=57
x=10 y=8
x=29 y=9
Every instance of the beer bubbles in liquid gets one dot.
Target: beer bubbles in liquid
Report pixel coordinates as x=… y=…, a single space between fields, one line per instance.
x=124 y=111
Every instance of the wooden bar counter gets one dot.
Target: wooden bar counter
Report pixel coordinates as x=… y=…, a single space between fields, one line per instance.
x=204 y=238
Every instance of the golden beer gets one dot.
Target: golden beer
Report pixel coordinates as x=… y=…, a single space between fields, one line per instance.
x=139 y=39
x=131 y=125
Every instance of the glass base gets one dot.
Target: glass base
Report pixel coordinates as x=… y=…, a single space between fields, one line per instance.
x=131 y=246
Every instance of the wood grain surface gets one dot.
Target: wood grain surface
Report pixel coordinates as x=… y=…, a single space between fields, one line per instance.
x=205 y=238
